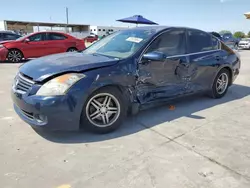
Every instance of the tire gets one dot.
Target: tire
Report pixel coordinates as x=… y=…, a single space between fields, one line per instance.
x=73 y=49
x=224 y=78
x=104 y=111
x=14 y=56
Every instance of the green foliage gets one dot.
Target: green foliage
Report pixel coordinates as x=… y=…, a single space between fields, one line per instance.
x=248 y=35
x=239 y=34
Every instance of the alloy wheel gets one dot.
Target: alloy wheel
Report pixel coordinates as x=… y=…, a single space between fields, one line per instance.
x=222 y=83
x=103 y=109
x=15 y=56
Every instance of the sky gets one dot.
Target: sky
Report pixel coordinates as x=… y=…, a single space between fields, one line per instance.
x=209 y=15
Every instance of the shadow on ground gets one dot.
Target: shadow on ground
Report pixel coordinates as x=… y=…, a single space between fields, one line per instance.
x=184 y=108
x=10 y=63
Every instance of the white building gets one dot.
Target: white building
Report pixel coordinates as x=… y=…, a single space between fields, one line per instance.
x=102 y=30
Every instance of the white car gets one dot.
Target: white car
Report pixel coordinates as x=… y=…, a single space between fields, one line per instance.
x=244 y=43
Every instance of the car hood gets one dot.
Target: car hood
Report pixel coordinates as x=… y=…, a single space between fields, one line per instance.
x=45 y=67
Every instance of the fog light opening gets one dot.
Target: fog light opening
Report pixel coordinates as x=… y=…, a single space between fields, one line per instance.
x=41 y=118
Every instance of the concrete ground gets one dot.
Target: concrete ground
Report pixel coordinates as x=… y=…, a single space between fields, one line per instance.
x=202 y=143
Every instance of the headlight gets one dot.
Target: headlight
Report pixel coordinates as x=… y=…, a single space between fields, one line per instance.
x=1 y=46
x=59 y=85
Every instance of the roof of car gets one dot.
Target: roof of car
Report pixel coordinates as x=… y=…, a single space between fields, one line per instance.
x=158 y=28
x=7 y=32
x=51 y=32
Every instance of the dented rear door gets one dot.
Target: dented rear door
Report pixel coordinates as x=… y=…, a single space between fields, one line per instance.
x=160 y=79
x=204 y=56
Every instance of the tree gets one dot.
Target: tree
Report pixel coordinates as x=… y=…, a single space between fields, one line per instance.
x=239 y=34
x=248 y=35
x=225 y=31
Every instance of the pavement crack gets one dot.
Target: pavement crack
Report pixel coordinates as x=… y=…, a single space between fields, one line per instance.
x=190 y=149
x=214 y=161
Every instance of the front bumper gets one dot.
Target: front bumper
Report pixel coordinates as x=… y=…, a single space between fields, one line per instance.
x=59 y=112
x=241 y=46
x=3 y=54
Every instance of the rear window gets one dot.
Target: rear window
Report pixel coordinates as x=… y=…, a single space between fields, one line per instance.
x=200 y=41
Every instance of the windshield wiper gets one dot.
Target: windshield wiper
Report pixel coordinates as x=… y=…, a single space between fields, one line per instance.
x=98 y=54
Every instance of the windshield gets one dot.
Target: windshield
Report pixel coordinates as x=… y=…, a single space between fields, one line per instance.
x=227 y=36
x=121 y=44
x=245 y=40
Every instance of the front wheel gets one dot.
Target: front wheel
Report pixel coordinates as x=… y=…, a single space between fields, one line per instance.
x=15 y=56
x=104 y=111
x=221 y=83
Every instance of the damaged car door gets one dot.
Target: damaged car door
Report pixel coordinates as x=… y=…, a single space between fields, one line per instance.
x=204 y=55
x=157 y=70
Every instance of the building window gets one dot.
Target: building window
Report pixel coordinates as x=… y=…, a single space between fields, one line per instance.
x=94 y=29
x=111 y=30
x=103 y=30
x=99 y=29
x=90 y=29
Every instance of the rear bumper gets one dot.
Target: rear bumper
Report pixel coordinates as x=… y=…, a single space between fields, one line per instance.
x=3 y=54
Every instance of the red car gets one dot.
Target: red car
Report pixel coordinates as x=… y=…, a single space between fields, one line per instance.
x=39 y=44
x=91 y=38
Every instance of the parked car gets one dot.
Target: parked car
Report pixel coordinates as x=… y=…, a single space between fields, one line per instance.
x=244 y=43
x=124 y=72
x=230 y=40
x=216 y=35
x=91 y=38
x=39 y=44
x=8 y=35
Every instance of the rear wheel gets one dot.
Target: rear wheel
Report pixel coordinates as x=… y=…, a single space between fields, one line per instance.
x=15 y=56
x=104 y=111
x=221 y=83
x=72 y=49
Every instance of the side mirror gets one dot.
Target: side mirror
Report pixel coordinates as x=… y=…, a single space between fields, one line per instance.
x=154 y=56
x=26 y=40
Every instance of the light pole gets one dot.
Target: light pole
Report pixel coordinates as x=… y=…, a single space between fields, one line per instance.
x=67 y=18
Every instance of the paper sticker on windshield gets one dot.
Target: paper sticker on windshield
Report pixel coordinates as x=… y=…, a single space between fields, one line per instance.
x=134 y=39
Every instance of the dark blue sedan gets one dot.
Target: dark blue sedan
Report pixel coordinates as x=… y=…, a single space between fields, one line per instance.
x=121 y=74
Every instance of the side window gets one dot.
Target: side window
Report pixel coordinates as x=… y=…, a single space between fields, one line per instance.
x=201 y=42
x=170 y=43
x=37 y=37
x=56 y=36
x=215 y=44
x=9 y=36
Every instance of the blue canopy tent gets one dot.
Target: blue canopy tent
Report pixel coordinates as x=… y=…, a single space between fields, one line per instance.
x=137 y=19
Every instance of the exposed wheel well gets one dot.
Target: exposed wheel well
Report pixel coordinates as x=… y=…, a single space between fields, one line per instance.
x=72 y=48
x=121 y=88
x=230 y=74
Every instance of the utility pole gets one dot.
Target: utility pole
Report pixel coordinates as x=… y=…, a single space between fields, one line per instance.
x=67 y=18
